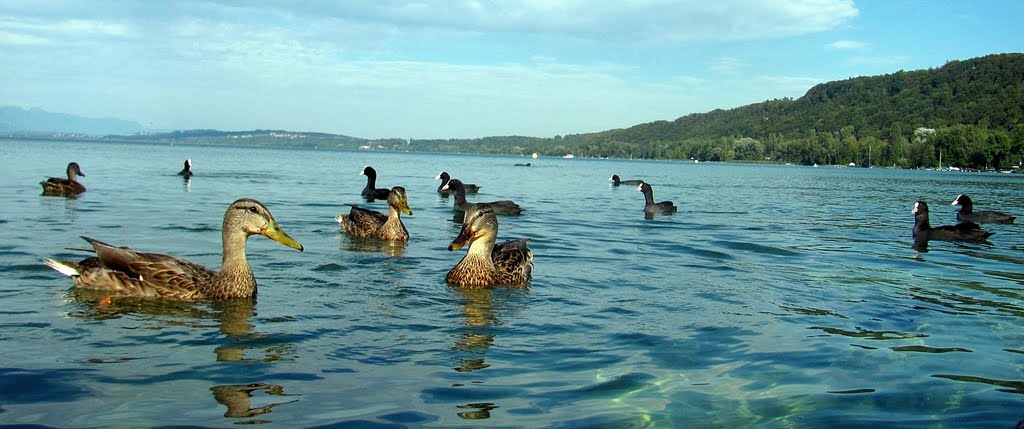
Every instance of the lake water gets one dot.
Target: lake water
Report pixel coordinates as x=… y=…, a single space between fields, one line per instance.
x=778 y=297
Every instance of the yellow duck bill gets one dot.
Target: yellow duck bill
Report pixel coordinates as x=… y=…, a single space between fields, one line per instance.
x=274 y=232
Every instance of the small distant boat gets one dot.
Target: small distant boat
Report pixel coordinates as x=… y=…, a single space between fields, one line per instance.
x=569 y=156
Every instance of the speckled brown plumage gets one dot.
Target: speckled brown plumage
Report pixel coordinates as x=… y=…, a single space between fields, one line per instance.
x=56 y=186
x=360 y=222
x=126 y=272
x=486 y=264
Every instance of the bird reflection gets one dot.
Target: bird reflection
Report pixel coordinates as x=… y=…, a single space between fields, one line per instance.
x=238 y=398
x=233 y=318
x=478 y=317
x=470 y=346
x=480 y=410
x=392 y=248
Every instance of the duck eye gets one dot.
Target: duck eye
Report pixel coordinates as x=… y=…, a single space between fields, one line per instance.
x=253 y=209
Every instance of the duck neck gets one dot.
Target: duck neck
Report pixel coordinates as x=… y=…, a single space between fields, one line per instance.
x=921 y=223
x=966 y=207
x=393 y=227
x=72 y=176
x=235 y=278
x=649 y=196
x=371 y=180
x=481 y=247
x=460 y=196
x=476 y=269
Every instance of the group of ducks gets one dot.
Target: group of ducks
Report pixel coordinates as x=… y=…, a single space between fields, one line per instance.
x=61 y=187
x=485 y=264
x=124 y=271
x=966 y=229
x=121 y=271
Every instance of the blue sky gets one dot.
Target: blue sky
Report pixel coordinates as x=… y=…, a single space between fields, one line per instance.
x=453 y=68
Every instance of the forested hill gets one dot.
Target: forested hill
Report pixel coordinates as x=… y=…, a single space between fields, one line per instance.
x=970 y=110
x=987 y=90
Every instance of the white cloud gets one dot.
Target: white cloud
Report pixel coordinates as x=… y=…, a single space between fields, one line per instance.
x=674 y=21
x=13 y=38
x=842 y=45
x=727 y=65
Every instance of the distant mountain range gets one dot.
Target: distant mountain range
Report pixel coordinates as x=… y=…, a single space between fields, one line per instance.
x=17 y=120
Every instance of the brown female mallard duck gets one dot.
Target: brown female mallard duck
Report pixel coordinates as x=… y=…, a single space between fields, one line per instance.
x=361 y=222
x=123 y=271
x=57 y=186
x=485 y=264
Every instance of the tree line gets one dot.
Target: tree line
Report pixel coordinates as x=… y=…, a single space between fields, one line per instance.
x=968 y=112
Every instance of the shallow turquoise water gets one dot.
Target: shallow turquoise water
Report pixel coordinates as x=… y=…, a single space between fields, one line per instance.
x=778 y=296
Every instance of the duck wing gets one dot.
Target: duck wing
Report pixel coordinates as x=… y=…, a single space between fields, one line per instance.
x=966 y=231
x=667 y=207
x=986 y=216
x=505 y=207
x=124 y=271
x=361 y=222
x=513 y=261
x=377 y=194
x=58 y=186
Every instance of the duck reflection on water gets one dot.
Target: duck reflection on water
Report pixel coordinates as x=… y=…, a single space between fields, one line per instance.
x=238 y=398
x=233 y=318
x=478 y=317
x=480 y=310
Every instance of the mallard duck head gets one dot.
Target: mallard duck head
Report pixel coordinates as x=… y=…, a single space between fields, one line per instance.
x=253 y=218
x=73 y=168
x=479 y=223
x=399 y=200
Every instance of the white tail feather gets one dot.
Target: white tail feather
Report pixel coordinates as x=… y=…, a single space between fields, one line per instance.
x=61 y=267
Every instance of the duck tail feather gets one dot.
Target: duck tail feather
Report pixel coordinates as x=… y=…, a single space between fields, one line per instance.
x=65 y=268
